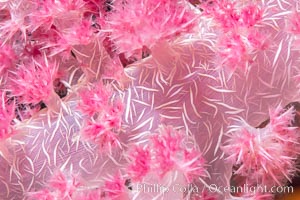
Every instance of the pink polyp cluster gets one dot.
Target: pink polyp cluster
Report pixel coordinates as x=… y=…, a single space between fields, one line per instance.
x=265 y=156
x=59 y=187
x=94 y=99
x=138 y=99
x=170 y=153
x=102 y=116
x=7 y=58
x=100 y=133
x=147 y=22
x=166 y=153
x=33 y=80
x=6 y=117
x=231 y=14
x=240 y=36
x=140 y=163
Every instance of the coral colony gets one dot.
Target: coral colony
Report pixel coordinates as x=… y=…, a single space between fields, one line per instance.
x=149 y=99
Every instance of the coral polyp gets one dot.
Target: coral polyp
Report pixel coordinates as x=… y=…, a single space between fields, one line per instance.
x=149 y=99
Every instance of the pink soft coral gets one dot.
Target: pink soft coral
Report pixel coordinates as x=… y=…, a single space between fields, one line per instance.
x=58 y=13
x=94 y=99
x=265 y=156
x=230 y=14
x=59 y=187
x=100 y=133
x=294 y=23
x=114 y=188
x=105 y=118
x=33 y=81
x=14 y=23
x=187 y=94
x=139 y=163
x=233 y=53
x=171 y=153
x=6 y=116
x=7 y=58
x=240 y=37
x=137 y=23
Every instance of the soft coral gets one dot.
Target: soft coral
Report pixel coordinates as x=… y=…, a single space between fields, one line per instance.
x=32 y=81
x=265 y=156
x=7 y=57
x=7 y=109
x=137 y=23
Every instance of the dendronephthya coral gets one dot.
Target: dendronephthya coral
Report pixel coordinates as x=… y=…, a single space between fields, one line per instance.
x=148 y=99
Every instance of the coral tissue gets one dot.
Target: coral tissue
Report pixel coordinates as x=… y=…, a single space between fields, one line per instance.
x=148 y=99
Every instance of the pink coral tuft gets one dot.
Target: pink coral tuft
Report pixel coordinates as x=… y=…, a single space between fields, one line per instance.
x=7 y=115
x=44 y=194
x=115 y=189
x=281 y=120
x=233 y=53
x=137 y=23
x=97 y=62
x=140 y=163
x=33 y=81
x=223 y=11
x=265 y=155
x=170 y=153
x=250 y=15
x=230 y=15
x=94 y=99
x=194 y=165
x=101 y=134
x=7 y=58
x=166 y=145
x=59 y=187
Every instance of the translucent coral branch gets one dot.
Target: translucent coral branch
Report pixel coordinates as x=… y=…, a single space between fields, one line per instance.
x=7 y=109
